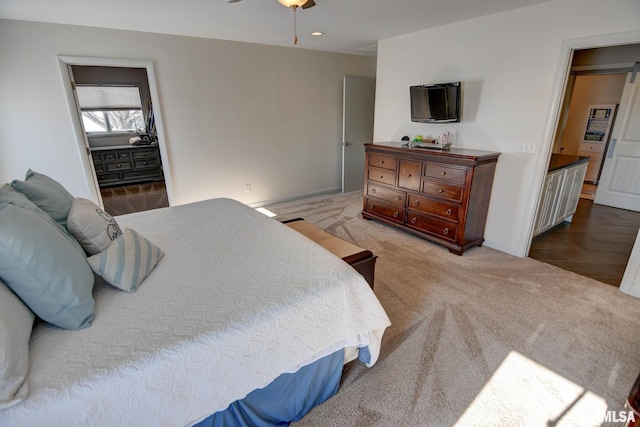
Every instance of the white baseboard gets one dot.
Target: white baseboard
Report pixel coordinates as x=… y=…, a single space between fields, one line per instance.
x=289 y=199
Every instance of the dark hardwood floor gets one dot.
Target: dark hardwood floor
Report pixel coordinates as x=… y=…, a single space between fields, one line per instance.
x=596 y=244
x=134 y=198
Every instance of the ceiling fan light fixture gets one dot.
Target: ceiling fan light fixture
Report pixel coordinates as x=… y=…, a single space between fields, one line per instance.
x=293 y=3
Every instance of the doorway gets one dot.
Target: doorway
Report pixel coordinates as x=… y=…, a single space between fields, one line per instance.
x=358 y=104
x=597 y=78
x=126 y=165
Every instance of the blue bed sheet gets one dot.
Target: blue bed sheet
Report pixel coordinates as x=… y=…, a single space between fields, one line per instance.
x=288 y=398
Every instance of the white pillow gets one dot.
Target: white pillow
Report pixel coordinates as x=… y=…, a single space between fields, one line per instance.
x=92 y=227
x=127 y=261
x=16 y=321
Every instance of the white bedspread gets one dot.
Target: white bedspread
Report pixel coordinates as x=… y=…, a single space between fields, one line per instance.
x=237 y=300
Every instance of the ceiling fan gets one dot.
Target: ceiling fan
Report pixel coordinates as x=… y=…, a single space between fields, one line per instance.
x=293 y=4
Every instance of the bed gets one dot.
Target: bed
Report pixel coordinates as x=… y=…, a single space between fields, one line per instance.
x=237 y=309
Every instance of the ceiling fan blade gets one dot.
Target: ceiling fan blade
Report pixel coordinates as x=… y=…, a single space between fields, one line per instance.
x=308 y=4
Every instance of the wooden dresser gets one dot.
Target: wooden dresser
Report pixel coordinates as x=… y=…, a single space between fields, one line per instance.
x=442 y=196
x=123 y=165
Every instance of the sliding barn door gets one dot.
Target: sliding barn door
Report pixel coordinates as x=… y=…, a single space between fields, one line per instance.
x=619 y=185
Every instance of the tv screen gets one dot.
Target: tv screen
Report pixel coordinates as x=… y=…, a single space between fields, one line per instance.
x=436 y=103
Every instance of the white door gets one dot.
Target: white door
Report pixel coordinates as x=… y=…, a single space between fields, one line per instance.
x=619 y=185
x=631 y=279
x=358 y=98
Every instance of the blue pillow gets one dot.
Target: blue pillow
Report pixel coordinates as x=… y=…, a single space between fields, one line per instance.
x=48 y=194
x=44 y=268
x=16 y=198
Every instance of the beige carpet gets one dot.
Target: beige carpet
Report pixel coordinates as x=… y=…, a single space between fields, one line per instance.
x=482 y=339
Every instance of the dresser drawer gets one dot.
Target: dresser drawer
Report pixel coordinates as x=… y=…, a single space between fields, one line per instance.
x=140 y=153
x=385 y=177
x=393 y=213
x=106 y=178
x=590 y=148
x=448 y=173
x=112 y=156
x=409 y=175
x=148 y=163
x=443 y=229
x=443 y=191
x=392 y=196
x=383 y=162
x=434 y=207
x=96 y=157
x=120 y=166
x=143 y=174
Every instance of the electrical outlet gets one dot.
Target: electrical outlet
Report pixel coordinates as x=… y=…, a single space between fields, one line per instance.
x=247 y=188
x=527 y=148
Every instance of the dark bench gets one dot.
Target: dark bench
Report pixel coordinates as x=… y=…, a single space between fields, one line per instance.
x=362 y=260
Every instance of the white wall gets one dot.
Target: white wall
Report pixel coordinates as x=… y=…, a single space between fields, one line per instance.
x=511 y=66
x=234 y=113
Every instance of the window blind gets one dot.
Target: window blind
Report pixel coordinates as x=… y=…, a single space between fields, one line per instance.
x=109 y=97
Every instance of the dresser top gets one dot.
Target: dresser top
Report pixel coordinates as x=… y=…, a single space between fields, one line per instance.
x=123 y=147
x=451 y=152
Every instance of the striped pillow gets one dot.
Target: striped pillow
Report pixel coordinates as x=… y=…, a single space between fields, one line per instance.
x=127 y=261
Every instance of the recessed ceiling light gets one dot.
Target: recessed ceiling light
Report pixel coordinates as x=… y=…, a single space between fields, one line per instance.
x=317 y=33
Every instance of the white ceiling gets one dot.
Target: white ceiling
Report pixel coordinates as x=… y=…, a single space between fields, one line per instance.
x=348 y=25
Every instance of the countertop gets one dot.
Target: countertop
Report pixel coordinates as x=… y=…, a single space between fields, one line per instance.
x=560 y=161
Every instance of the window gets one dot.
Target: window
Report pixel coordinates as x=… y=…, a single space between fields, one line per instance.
x=110 y=108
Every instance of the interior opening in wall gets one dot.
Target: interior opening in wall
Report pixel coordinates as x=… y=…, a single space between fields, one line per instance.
x=117 y=117
x=588 y=114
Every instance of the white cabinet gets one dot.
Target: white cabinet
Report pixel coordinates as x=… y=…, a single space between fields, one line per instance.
x=560 y=198
x=570 y=194
x=549 y=202
x=595 y=151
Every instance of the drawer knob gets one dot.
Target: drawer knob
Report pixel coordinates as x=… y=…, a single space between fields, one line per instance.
x=445 y=231
x=408 y=175
x=441 y=191
x=373 y=190
x=382 y=162
x=449 y=211
x=413 y=220
x=416 y=203
x=396 y=214
x=144 y=163
x=118 y=165
x=371 y=206
x=443 y=173
x=381 y=176
x=398 y=198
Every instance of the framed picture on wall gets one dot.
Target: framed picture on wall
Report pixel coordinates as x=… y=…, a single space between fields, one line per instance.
x=598 y=123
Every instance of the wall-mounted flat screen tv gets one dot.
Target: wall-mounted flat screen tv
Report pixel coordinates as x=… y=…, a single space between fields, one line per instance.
x=436 y=103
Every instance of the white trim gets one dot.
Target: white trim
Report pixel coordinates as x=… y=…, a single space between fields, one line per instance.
x=64 y=62
x=299 y=196
x=557 y=96
x=631 y=279
x=604 y=67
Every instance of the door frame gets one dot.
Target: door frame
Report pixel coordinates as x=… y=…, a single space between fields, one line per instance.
x=558 y=94
x=64 y=63
x=557 y=98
